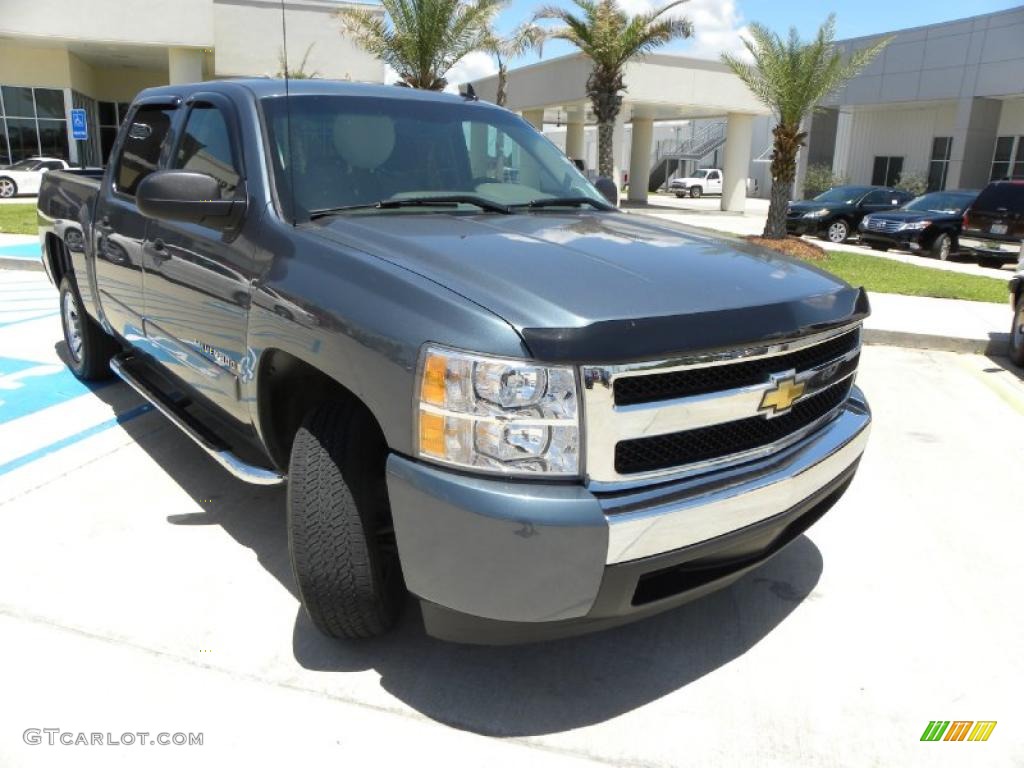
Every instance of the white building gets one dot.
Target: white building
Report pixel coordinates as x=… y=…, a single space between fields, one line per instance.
x=97 y=54
x=944 y=101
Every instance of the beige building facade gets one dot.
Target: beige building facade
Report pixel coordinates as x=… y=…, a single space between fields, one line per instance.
x=56 y=55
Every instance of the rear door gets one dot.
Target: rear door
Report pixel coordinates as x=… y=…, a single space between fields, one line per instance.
x=198 y=277
x=120 y=230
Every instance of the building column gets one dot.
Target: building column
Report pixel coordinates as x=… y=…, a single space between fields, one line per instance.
x=534 y=117
x=974 y=141
x=640 y=158
x=574 y=148
x=618 y=137
x=739 y=131
x=184 y=65
x=844 y=140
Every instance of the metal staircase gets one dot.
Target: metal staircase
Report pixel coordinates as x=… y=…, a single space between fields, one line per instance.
x=701 y=144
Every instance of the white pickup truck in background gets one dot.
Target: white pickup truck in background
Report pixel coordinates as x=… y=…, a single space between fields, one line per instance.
x=706 y=181
x=24 y=177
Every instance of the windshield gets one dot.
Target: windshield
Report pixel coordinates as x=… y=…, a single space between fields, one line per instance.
x=352 y=151
x=939 y=202
x=842 y=194
x=26 y=165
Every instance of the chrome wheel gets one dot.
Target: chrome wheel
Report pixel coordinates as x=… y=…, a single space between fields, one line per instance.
x=72 y=326
x=837 y=231
x=7 y=188
x=945 y=247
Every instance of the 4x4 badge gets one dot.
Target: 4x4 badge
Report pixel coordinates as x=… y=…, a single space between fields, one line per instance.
x=780 y=398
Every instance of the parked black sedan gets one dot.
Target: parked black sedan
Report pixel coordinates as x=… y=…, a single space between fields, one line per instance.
x=927 y=224
x=835 y=214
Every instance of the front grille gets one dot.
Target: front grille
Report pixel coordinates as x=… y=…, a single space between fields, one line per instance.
x=648 y=454
x=883 y=225
x=632 y=390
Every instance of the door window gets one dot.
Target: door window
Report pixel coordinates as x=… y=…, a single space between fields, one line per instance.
x=206 y=148
x=140 y=153
x=881 y=197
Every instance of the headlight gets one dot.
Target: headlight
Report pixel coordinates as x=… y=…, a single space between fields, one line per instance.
x=510 y=417
x=817 y=214
x=916 y=225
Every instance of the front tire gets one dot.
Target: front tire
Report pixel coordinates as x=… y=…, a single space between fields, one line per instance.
x=837 y=231
x=7 y=187
x=339 y=533
x=696 y=191
x=1017 y=333
x=942 y=247
x=89 y=346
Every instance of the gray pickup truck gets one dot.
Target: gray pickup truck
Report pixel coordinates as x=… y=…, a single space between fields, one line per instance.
x=482 y=383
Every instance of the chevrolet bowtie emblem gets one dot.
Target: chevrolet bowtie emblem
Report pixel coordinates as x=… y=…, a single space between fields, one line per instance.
x=782 y=395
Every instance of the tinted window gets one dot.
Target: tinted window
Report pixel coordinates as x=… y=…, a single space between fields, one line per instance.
x=206 y=148
x=140 y=152
x=1008 y=195
x=841 y=194
x=882 y=197
x=50 y=103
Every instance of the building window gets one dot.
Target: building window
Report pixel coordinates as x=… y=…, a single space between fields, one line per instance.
x=111 y=115
x=887 y=171
x=1008 y=159
x=938 y=168
x=33 y=122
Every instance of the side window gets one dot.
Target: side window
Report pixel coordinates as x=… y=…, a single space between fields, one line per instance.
x=713 y=176
x=206 y=148
x=879 y=197
x=140 y=152
x=52 y=165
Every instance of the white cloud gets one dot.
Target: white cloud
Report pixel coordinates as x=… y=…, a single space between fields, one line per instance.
x=717 y=25
x=471 y=67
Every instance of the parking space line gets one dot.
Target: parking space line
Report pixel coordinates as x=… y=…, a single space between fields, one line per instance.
x=46 y=450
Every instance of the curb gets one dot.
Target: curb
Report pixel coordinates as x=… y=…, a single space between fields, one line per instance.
x=996 y=344
x=24 y=265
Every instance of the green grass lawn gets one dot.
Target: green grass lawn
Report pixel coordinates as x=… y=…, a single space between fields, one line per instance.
x=18 y=219
x=887 y=276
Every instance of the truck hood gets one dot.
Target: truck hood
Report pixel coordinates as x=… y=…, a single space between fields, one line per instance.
x=607 y=286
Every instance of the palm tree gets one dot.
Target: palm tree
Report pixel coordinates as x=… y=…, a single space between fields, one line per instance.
x=523 y=37
x=791 y=76
x=610 y=38
x=299 y=73
x=421 y=39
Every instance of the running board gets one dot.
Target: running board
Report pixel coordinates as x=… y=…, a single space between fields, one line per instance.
x=240 y=469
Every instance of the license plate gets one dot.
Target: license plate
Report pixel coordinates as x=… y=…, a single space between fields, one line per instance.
x=998 y=229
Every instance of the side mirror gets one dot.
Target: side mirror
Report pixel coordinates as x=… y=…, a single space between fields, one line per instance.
x=189 y=197
x=608 y=190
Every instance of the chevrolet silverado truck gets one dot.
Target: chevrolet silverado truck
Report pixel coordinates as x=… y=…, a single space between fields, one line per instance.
x=539 y=415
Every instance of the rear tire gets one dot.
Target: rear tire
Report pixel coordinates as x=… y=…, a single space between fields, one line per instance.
x=89 y=346
x=696 y=191
x=339 y=535
x=1017 y=333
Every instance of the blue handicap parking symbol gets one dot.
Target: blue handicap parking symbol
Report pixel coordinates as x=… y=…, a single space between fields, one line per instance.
x=79 y=125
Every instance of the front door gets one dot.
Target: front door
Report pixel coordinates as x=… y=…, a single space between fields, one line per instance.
x=198 y=277
x=120 y=229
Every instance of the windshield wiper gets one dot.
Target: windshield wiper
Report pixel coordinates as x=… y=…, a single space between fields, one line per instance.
x=551 y=202
x=447 y=201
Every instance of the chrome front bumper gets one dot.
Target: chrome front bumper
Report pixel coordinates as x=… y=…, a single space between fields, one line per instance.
x=642 y=522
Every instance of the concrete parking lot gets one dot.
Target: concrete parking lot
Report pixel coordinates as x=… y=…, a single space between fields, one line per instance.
x=142 y=589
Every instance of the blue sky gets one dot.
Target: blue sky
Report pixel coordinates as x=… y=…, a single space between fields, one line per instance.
x=718 y=23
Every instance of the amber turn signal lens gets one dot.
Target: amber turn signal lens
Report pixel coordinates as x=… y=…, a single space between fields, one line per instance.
x=432 y=433
x=433 y=385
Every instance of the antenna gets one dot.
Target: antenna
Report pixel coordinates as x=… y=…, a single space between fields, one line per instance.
x=290 y=155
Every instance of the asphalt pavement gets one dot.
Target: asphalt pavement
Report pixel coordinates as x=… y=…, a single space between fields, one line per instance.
x=143 y=590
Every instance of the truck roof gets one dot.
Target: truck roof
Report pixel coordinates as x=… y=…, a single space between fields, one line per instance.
x=264 y=87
